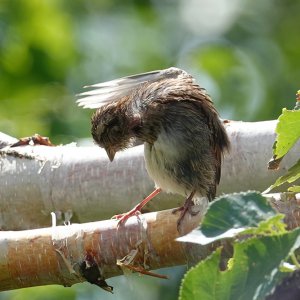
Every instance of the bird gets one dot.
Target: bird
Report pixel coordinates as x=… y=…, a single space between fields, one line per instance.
x=183 y=135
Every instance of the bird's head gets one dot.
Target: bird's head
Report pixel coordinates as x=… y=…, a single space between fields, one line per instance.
x=112 y=129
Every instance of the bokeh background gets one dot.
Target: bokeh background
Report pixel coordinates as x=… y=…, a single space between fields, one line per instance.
x=245 y=53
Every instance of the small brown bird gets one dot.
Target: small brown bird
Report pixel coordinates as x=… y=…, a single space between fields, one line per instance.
x=174 y=117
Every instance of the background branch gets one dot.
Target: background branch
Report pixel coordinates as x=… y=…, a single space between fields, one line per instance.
x=80 y=183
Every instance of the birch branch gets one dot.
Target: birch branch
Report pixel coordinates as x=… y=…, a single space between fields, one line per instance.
x=79 y=183
x=96 y=251
x=70 y=254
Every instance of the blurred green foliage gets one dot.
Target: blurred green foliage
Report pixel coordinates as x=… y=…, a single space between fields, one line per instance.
x=246 y=54
x=43 y=292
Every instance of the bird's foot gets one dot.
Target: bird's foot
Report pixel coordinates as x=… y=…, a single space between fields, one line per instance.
x=122 y=218
x=186 y=207
x=183 y=210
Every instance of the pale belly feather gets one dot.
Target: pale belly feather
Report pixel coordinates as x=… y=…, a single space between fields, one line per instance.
x=157 y=157
x=162 y=154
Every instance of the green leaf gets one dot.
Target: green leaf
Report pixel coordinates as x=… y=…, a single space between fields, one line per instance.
x=229 y=215
x=288 y=131
x=294 y=189
x=254 y=270
x=274 y=225
x=292 y=175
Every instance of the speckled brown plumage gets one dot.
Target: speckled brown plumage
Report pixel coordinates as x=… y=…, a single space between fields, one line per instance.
x=175 y=118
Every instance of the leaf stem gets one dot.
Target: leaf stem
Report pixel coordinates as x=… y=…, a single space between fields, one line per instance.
x=294 y=260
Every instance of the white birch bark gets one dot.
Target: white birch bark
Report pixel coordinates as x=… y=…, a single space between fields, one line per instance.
x=81 y=183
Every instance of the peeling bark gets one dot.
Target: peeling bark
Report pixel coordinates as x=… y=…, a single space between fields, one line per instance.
x=56 y=255
x=70 y=254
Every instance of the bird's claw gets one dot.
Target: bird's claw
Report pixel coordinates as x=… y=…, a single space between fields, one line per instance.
x=182 y=209
x=186 y=207
x=122 y=218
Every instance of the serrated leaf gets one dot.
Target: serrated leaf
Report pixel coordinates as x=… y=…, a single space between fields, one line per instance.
x=254 y=270
x=294 y=189
x=238 y=210
x=229 y=215
x=292 y=175
x=274 y=225
x=288 y=131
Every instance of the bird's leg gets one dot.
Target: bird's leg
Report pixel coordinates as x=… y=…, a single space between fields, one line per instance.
x=184 y=208
x=137 y=209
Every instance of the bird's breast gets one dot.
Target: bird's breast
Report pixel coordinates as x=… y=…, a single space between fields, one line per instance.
x=161 y=159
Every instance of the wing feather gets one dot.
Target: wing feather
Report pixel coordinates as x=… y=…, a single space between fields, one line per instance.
x=103 y=93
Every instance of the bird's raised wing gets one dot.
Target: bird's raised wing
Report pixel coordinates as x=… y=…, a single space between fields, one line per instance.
x=103 y=93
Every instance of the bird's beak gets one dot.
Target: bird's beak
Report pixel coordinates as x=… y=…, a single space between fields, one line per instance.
x=110 y=153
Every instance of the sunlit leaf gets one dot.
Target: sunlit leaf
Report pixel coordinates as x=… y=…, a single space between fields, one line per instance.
x=254 y=270
x=288 y=131
x=274 y=225
x=295 y=189
x=230 y=215
x=292 y=175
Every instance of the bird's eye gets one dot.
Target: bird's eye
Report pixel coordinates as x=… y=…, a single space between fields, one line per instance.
x=113 y=122
x=115 y=129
